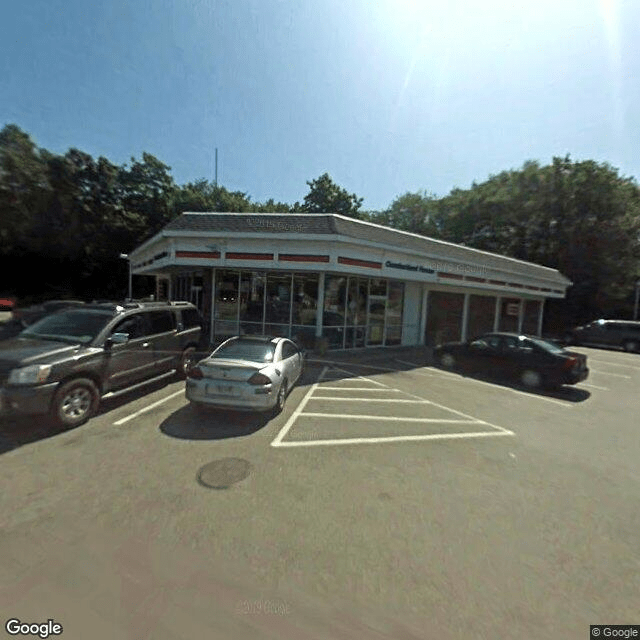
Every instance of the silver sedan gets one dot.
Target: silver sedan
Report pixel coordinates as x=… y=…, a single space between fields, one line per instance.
x=246 y=372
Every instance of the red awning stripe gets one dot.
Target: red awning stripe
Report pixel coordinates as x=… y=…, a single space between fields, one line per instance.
x=294 y=257
x=360 y=263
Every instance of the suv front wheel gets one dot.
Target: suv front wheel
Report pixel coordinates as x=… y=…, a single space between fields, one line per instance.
x=75 y=402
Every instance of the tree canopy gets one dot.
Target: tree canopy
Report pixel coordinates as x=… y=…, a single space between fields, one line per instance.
x=70 y=216
x=325 y=196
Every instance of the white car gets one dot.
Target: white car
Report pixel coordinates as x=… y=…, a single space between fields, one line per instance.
x=252 y=373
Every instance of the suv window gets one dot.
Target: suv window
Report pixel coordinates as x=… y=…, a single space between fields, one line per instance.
x=160 y=321
x=134 y=326
x=191 y=318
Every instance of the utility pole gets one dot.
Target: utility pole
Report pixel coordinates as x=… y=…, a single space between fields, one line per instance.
x=216 y=179
x=635 y=306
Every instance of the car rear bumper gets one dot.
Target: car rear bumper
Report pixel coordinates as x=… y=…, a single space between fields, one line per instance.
x=197 y=392
x=574 y=377
x=26 y=400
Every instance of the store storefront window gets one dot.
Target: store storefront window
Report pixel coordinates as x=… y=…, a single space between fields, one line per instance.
x=278 y=304
x=333 y=317
x=356 y=312
x=226 y=303
x=395 y=302
x=252 y=289
x=377 y=303
x=305 y=308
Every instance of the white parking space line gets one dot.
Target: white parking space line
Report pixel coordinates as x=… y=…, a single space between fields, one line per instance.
x=434 y=436
x=298 y=410
x=593 y=386
x=391 y=418
x=614 y=364
x=432 y=371
x=354 y=389
x=342 y=398
x=148 y=408
x=435 y=404
x=607 y=373
x=365 y=366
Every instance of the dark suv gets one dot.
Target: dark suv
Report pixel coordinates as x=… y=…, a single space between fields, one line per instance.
x=66 y=362
x=607 y=333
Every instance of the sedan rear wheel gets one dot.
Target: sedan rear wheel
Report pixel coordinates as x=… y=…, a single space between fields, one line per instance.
x=631 y=346
x=448 y=360
x=531 y=379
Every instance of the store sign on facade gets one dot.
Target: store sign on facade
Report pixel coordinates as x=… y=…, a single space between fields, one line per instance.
x=407 y=267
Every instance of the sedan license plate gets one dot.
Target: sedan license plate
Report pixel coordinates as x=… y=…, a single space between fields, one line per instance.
x=221 y=389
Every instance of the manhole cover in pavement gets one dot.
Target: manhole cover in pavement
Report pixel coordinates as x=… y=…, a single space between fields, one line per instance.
x=221 y=474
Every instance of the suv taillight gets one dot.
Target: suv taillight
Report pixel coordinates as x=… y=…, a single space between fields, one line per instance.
x=259 y=378
x=195 y=373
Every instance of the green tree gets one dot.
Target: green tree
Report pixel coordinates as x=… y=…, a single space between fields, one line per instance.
x=201 y=195
x=148 y=191
x=579 y=217
x=24 y=187
x=414 y=212
x=327 y=197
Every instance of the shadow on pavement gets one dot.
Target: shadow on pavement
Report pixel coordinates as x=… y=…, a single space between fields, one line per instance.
x=17 y=431
x=211 y=424
x=371 y=368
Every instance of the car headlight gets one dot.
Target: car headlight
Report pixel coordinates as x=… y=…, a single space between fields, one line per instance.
x=34 y=374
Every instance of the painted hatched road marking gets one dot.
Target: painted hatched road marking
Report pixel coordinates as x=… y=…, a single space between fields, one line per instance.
x=312 y=395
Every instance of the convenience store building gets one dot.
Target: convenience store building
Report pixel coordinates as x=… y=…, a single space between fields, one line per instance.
x=353 y=284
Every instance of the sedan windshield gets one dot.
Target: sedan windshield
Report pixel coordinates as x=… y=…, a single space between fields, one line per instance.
x=241 y=350
x=73 y=326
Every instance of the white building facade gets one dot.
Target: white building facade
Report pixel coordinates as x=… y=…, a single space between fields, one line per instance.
x=344 y=282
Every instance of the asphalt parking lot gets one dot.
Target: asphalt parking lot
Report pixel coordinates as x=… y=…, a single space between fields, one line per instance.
x=390 y=499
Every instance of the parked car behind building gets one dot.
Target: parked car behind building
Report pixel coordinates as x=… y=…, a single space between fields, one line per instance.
x=624 y=334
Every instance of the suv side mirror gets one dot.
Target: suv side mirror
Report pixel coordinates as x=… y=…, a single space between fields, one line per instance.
x=116 y=338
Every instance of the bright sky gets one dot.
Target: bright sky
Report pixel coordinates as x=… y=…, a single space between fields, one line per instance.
x=387 y=96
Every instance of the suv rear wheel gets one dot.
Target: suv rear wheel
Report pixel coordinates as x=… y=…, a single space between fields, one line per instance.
x=631 y=345
x=75 y=402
